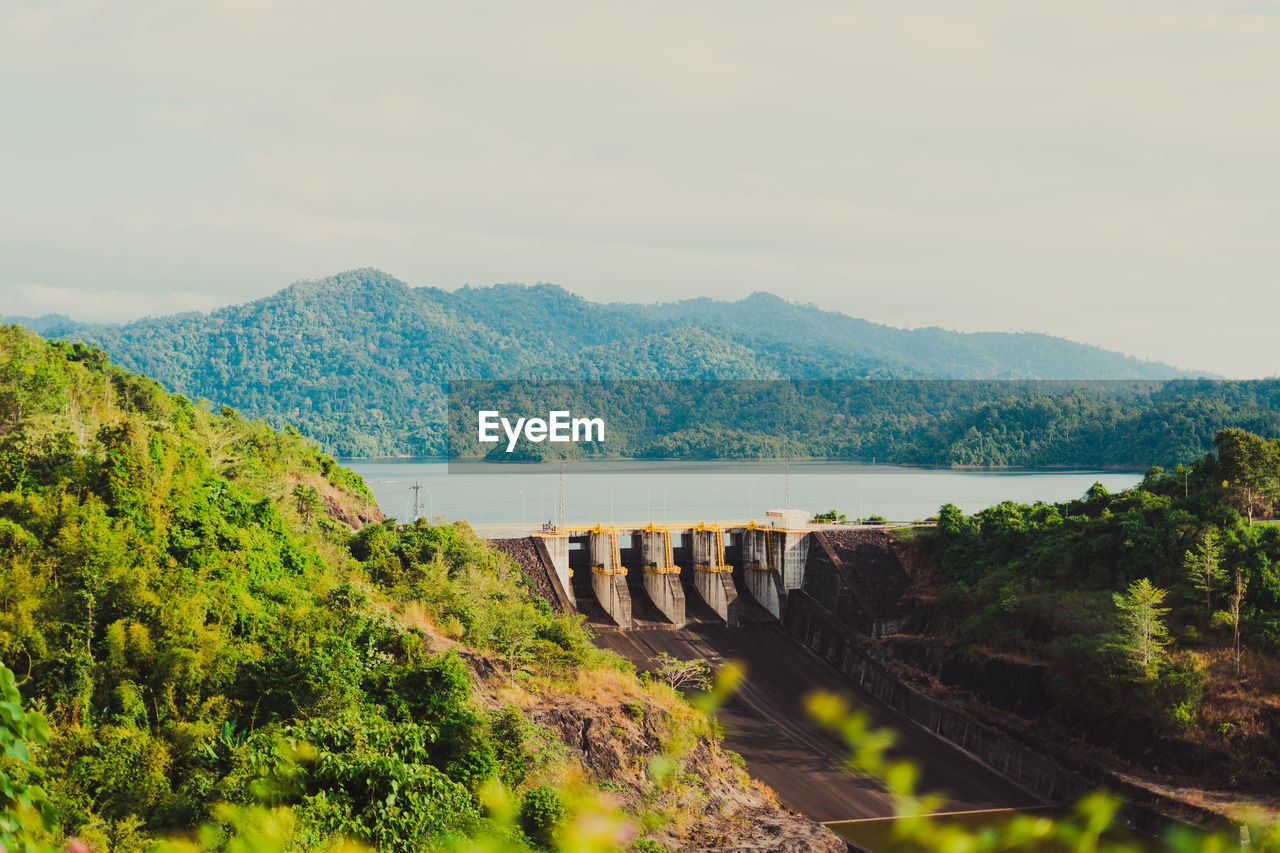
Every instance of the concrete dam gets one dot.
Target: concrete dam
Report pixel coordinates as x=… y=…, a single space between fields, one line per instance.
x=736 y=592
x=666 y=565
x=806 y=609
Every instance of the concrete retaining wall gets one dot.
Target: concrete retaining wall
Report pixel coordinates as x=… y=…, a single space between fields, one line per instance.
x=557 y=568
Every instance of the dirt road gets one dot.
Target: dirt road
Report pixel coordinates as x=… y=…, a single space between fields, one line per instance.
x=766 y=722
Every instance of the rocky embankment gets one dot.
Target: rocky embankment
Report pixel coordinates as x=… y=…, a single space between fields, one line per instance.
x=714 y=803
x=525 y=554
x=339 y=505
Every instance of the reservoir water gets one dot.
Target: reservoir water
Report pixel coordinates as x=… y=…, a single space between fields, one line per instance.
x=635 y=492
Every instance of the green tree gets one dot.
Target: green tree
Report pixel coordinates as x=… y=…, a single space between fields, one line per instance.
x=29 y=377
x=1143 y=635
x=682 y=673
x=20 y=799
x=308 y=502
x=1231 y=616
x=1250 y=468
x=541 y=814
x=1203 y=566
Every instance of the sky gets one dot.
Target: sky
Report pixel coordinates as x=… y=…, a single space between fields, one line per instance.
x=1107 y=172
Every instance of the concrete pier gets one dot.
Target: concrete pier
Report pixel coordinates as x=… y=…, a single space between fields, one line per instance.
x=763 y=555
x=609 y=576
x=718 y=590
x=712 y=578
x=795 y=555
x=765 y=587
x=662 y=575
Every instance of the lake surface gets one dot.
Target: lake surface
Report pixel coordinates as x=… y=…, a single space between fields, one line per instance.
x=635 y=492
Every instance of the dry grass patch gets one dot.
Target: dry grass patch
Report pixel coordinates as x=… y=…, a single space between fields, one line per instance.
x=413 y=614
x=604 y=685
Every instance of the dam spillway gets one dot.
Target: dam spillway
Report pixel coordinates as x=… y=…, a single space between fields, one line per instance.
x=670 y=564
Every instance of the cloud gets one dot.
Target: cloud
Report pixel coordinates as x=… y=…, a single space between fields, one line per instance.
x=28 y=299
x=1095 y=171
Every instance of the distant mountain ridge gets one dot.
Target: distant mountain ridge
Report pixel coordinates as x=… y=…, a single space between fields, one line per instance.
x=358 y=359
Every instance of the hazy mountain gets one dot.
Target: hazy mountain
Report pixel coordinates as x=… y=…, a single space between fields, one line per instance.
x=357 y=359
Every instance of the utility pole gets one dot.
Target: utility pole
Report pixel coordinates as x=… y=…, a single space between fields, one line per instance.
x=562 y=493
x=787 y=475
x=417 y=507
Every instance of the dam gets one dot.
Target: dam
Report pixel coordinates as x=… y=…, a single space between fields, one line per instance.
x=650 y=576
x=736 y=592
x=808 y=608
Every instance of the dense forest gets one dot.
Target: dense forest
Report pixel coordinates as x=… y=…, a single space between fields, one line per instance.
x=193 y=635
x=1006 y=423
x=360 y=361
x=1156 y=610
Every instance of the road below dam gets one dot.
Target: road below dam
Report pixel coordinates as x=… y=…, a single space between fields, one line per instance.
x=766 y=722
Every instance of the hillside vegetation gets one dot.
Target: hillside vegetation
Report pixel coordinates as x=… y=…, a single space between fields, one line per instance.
x=185 y=607
x=1155 y=612
x=359 y=361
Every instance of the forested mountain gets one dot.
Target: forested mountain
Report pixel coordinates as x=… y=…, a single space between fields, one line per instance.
x=358 y=360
